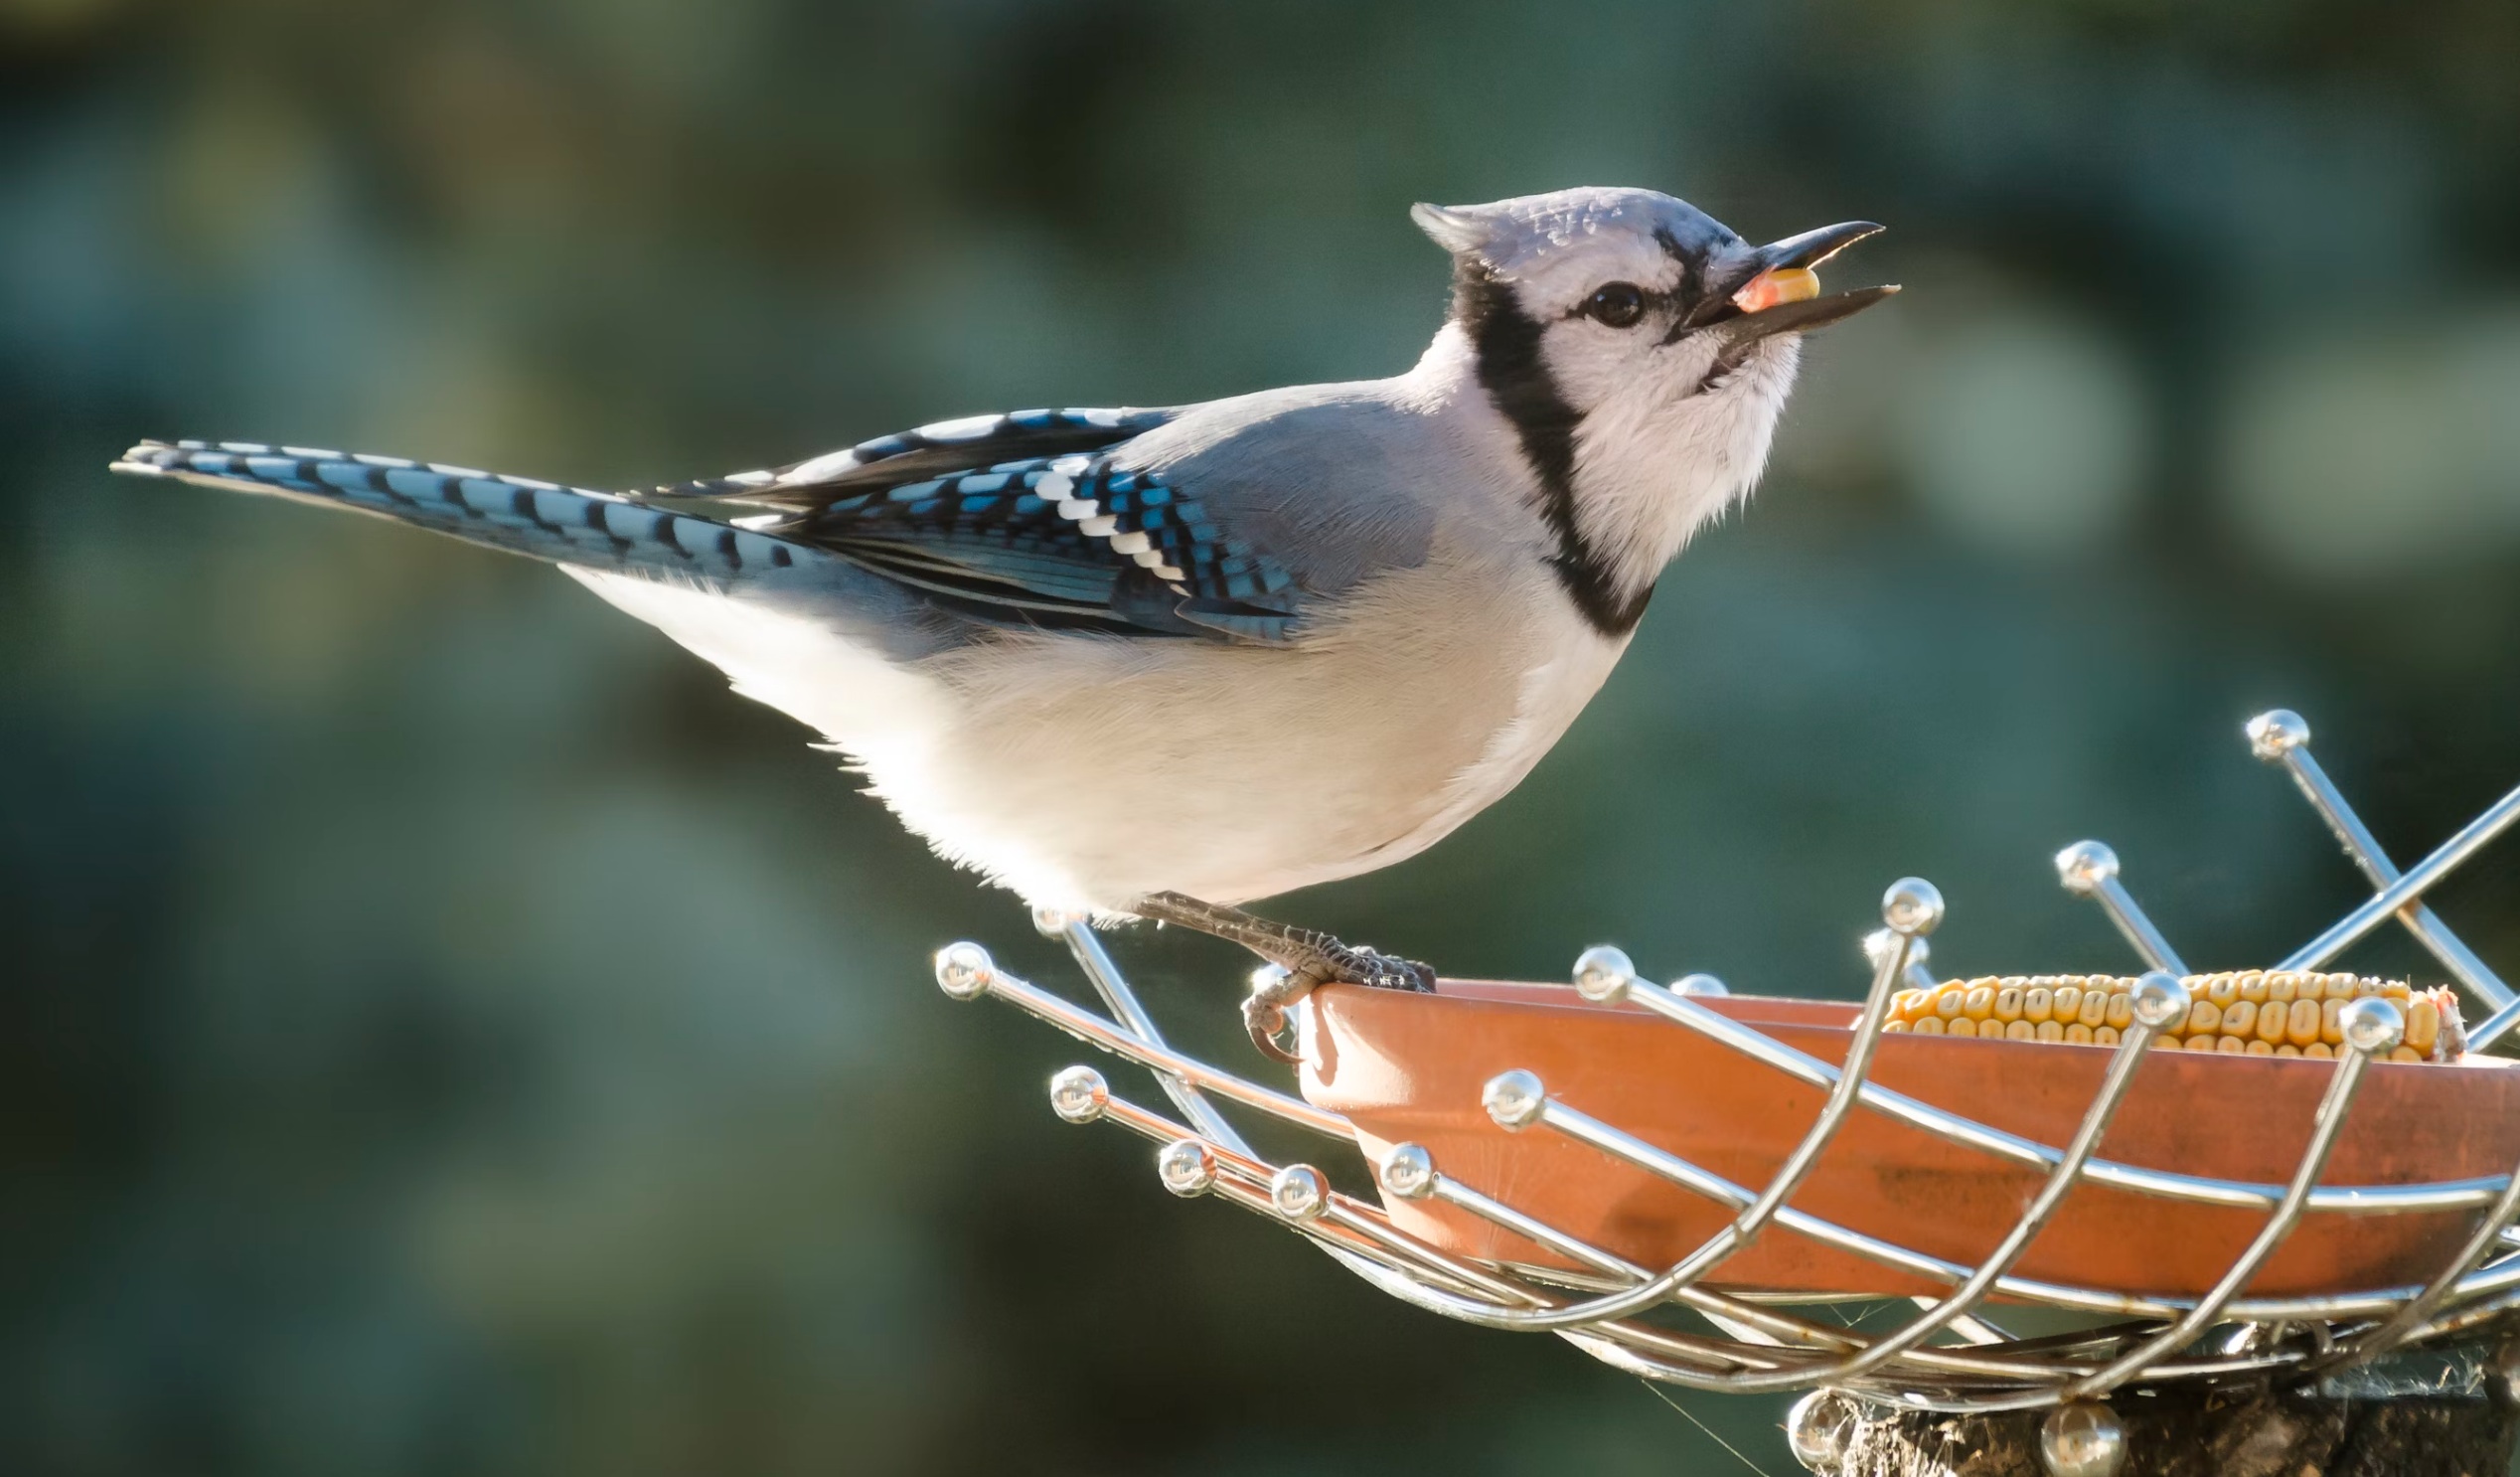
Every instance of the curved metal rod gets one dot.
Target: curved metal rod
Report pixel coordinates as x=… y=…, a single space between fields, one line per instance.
x=1888 y=970
x=2069 y=1173
x=2446 y=1195
x=2326 y=1124
x=2419 y=1308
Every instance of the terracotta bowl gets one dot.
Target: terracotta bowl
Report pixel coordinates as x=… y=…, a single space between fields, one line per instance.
x=1409 y=1068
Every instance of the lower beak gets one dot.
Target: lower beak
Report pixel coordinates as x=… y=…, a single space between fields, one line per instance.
x=1781 y=293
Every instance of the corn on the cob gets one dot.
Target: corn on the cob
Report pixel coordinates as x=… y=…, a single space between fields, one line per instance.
x=2252 y=1013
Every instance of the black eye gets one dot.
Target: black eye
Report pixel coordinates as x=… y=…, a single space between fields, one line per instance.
x=1618 y=304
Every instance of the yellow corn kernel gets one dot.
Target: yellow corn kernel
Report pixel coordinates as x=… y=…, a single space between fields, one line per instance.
x=2049 y=1031
x=2321 y=1050
x=2302 y=1022
x=2222 y=989
x=2367 y=987
x=2403 y=1053
x=2021 y=1031
x=2423 y=1027
x=2064 y=1002
x=2396 y=990
x=2275 y=1019
x=1947 y=997
x=1960 y=1025
x=2240 y=1018
x=2231 y=1046
x=2204 y=1018
x=2095 y=1011
x=2253 y=986
x=2122 y=1009
x=1929 y=1026
x=2257 y=1048
x=2105 y=1035
x=1980 y=1003
x=2008 y=1004
x=2039 y=1003
x=2338 y=986
x=2331 y=1027
x=1887 y=1026
x=1907 y=1005
x=2288 y=1049
x=2283 y=985
x=2077 y=1035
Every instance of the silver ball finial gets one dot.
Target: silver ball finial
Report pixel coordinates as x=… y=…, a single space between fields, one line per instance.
x=1187 y=1166
x=2372 y=1025
x=1079 y=1095
x=1699 y=985
x=1817 y=1429
x=1603 y=974
x=1050 y=923
x=1514 y=1098
x=2276 y=732
x=2158 y=999
x=1880 y=942
x=1408 y=1172
x=2084 y=866
x=963 y=970
x=1913 y=905
x=1297 y=1193
x=2083 y=1439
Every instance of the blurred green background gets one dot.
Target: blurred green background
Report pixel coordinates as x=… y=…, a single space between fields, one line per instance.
x=446 y=1031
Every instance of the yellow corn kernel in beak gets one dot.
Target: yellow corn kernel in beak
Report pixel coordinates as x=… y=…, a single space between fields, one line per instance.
x=1776 y=286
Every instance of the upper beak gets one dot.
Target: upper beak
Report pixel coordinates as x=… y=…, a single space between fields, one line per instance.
x=1743 y=316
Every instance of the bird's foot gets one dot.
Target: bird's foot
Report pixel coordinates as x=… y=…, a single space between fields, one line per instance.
x=1312 y=959
x=1304 y=958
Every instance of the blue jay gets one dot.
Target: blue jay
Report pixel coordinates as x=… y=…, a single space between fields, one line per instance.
x=1156 y=663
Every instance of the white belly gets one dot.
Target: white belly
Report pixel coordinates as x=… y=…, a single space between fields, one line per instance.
x=1086 y=773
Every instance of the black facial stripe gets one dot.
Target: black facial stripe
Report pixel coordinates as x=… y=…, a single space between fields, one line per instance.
x=1507 y=342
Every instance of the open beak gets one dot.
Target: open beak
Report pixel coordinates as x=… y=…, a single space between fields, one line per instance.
x=1781 y=293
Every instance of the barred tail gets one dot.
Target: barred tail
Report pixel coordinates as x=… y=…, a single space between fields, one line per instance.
x=541 y=520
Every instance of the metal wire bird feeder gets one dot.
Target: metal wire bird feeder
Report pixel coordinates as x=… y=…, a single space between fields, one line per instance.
x=1951 y=1355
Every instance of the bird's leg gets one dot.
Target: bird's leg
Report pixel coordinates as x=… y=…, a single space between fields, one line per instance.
x=1309 y=957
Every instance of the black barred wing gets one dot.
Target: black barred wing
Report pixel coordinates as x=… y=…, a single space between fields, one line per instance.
x=929 y=451
x=1064 y=541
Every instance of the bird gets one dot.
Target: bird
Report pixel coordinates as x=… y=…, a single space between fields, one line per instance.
x=1158 y=663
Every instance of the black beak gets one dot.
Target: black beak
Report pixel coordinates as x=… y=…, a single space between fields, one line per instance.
x=1805 y=250
x=1812 y=248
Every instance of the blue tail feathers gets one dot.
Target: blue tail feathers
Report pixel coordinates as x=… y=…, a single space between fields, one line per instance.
x=541 y=520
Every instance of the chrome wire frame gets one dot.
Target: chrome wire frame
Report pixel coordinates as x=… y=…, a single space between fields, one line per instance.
x=1757 y=1344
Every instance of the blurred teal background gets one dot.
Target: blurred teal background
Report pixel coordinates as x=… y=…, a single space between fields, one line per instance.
x=446 y=1031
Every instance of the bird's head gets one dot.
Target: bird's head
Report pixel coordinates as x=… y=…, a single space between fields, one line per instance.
x=1642 y=351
